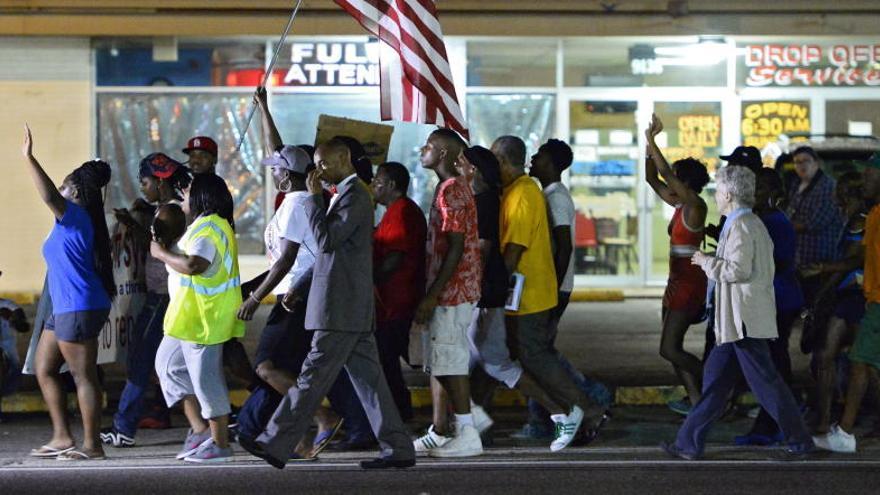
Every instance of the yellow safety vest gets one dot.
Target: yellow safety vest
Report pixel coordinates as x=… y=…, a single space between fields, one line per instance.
x=204 y=309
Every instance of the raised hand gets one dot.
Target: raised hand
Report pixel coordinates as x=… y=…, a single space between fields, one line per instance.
x=655 y=127
x=27 y=149
x=260 y=97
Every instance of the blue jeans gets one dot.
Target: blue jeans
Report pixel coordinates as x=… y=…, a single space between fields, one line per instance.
x=720 y=375
x=145 y=338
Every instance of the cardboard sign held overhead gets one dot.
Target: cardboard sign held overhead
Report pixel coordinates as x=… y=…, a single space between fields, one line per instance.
x=376 y=138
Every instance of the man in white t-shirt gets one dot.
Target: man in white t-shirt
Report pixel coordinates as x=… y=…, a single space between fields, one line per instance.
x=548 y=164
x=552 y=158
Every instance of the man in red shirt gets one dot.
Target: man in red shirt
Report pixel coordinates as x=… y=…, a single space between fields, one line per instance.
x=398 y=273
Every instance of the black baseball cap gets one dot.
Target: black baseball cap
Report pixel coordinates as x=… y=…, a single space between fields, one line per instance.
x=748 y=156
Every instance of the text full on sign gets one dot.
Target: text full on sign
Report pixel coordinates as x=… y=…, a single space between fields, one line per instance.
x=333 y=64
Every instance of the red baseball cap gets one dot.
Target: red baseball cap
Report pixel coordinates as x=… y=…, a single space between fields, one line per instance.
x=203 y=143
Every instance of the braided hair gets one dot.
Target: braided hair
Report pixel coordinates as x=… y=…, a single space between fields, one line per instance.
x=209 y=195
x=89 y=179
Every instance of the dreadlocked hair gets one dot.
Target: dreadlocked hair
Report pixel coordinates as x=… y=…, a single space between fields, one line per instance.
x=89 y=179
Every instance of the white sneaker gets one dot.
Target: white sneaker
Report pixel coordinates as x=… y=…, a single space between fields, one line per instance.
x=430 y=441
x=836 y=440
x=482 y=420
x=466 y=443
x=567 y=427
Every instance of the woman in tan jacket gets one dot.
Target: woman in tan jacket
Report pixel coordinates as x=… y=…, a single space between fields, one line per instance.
x=741 y=272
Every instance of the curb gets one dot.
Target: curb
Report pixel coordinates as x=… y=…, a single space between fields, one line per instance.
x=32 y=402
x=597 y=295
x=22 y=298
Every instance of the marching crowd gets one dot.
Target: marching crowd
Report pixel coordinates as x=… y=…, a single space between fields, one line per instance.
x=480 y=286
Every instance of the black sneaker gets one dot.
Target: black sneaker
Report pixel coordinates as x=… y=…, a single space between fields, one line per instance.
x=114 y=438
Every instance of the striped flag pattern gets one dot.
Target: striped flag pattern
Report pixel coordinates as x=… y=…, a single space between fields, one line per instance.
x=415 y=78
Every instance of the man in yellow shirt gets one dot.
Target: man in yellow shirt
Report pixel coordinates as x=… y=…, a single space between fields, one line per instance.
x=525 y=245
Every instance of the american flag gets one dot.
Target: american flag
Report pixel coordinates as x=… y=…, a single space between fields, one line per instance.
x=415 y=79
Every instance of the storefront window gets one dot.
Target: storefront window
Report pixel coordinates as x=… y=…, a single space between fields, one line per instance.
x=853 y=117
x=604 y=179
x=615 y=62
x=133 y=62
x=296 y=115
x=531 y=117
x=131 y=126
x=512 y=63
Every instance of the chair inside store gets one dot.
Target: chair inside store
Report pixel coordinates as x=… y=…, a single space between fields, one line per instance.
x=617 y=251
x=586 y=244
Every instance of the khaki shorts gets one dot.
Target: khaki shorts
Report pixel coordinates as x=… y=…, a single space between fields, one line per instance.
x=448 y=351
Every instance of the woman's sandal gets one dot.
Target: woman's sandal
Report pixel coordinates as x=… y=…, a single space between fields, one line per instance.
x=47 y=452
x=323 y=440
x=78 y=455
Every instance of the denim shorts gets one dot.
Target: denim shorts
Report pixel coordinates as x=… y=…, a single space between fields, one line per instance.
x=77 y=326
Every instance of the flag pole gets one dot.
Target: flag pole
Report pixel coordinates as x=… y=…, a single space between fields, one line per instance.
x=253 y=108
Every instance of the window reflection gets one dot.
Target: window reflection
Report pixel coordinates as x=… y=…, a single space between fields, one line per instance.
x=132 y=126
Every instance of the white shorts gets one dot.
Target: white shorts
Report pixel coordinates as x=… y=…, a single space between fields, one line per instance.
x=487 y=336
x=185 y=369
x=448 y=352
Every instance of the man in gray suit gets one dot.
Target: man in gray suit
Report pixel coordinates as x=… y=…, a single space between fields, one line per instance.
x=340 y=311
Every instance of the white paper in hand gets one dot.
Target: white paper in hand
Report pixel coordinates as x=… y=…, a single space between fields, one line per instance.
x=514 y=291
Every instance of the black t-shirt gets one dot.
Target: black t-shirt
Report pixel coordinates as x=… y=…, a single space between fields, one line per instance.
x=495 y=275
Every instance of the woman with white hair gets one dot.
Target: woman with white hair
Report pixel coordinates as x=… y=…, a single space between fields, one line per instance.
x=741 y=276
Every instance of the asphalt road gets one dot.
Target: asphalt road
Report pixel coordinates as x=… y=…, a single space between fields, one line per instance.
x=625 y=459
x=503 y=474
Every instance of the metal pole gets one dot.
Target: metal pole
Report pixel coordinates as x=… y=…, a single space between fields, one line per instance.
x=253 y=106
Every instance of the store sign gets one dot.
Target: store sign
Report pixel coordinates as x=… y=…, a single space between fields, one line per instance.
x=699 y=136
x=333 y=64
x=812 y=65
x=763 y=122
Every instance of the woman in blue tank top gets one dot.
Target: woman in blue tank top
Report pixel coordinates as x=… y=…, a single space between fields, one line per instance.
x=80 y=279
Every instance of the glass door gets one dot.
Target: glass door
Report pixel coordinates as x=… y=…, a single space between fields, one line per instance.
x=604 y=182
x=691 y=129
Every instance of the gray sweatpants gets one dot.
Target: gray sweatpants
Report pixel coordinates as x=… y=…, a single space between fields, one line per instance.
x=185 y=369
x=538 y=355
